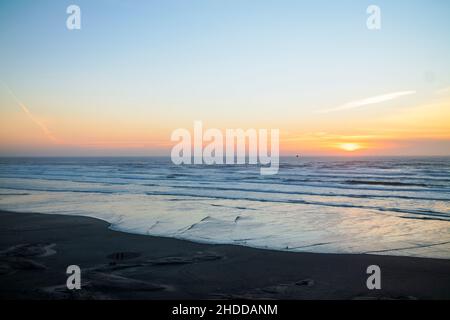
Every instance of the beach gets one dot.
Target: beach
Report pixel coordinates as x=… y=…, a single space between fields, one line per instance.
x=37 y=248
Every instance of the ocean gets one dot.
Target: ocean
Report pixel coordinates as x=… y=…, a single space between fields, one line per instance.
x=377 y=205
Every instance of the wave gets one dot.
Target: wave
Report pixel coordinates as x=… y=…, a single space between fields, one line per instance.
x=322 y=194
x=215 y=188
x=386 y=183
x=296 y=201
x=253 y=180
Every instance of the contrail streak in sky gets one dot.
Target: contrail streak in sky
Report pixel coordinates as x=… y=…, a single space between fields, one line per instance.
x=369 y=101
x=30 y=115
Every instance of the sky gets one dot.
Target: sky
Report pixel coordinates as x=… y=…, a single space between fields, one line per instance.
x=138 y=70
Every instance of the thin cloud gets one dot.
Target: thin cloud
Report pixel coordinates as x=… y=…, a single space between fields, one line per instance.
x=30 y=115
x=443 y=90
x=369 y=101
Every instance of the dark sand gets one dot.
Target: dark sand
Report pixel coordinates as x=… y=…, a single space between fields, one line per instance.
x=118 y=265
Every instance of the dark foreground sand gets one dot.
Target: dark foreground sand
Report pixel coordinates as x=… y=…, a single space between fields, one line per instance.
x=36 y=250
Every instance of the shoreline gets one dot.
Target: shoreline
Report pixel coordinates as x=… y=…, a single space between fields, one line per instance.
x=37 y=248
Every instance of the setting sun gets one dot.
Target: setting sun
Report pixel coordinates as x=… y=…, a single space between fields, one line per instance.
x=349 y=146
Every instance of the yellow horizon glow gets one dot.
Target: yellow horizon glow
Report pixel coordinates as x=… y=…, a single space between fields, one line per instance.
x=349 y=146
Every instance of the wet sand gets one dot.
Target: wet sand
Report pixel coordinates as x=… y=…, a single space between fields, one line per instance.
x=36 y=249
